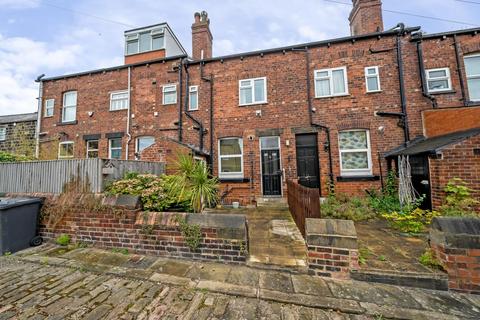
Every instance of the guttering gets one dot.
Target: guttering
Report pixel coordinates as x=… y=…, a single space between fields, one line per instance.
x=421 y=69
x=459 y=71
x=39 y=114
x=471 y=31
x=187 y=113
x=128 y=114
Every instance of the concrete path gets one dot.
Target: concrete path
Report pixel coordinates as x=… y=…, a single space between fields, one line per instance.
x=48 y=282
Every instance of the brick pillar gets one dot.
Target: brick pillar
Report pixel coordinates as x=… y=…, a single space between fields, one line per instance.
x=332 y=247
x=366 y=17
x=201 y=37
x=455 y=242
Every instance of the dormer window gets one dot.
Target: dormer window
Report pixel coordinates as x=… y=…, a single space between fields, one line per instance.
x=144 y=41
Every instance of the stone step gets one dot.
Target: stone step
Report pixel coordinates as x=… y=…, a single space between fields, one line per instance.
x=291 y=265
x=276 y=202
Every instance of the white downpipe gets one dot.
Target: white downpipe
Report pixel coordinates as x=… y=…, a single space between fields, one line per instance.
x=39 y=119
x=128 y=117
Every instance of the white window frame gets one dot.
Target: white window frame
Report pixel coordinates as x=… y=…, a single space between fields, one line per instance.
x=192 y=90
x=64 y=143
x=3 y=134
x=167 y=88
x=47 y=108
x=356 y=172
x=92 y=149
x=116 y=148
x=72 y=106
x=447 y=77
x=252 y=86
x=475 y=76
x=137 y=141
x=132 y=38
x=330 y=78
x=230 y=175
x=375 y=75
x=112 y=99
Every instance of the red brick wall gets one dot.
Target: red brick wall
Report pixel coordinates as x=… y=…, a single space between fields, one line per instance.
x=145 y=56
x=366 y=17
x=201 y=38
x=438 y=122
x=458 y=161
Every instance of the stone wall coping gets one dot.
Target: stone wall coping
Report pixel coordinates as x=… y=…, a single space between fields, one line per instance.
x=330 y=227
x=456 y=232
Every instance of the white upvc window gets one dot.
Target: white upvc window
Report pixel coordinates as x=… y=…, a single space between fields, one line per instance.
x=372 y=79
x=145 y=41
x=472 y=69
x=65 y=150
x=69 y=110
x=119 y=100
x=331 y=82
x=169 y=94
x=252 y=91
x=3 y=133
x=49 y=105
x=115 y=148
x=92 y=148
x=142 y=143
x=438 y=80
x=193 y=98
x=131 y=45
x=230 y=158
x=355 y=153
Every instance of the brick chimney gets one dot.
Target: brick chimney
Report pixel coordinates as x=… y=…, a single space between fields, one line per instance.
x=366 y=17
x=201 y=37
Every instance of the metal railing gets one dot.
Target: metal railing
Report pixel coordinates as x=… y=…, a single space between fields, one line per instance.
x=303 y=203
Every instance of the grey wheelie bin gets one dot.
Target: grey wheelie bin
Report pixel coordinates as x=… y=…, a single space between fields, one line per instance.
x=19 y=223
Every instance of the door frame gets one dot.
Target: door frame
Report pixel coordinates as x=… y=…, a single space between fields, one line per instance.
x=317 y=156
x=261 y=165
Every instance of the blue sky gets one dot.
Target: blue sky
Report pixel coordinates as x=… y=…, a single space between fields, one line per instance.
x=58 y=37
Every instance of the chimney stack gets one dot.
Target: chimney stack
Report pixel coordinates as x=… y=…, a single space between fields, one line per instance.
x=366 y=17
x=201 y=37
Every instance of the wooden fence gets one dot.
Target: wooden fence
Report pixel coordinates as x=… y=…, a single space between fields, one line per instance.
x=52 y=176
x=303 y=203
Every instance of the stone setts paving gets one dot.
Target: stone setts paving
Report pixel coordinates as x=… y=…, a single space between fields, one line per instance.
x=85 y=283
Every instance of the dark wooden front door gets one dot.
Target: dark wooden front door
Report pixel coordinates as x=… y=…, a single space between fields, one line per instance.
x=307 y=160
x=271 y=172
x=421 y=179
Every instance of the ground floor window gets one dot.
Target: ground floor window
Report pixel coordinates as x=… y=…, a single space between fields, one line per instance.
x=65 y=150
x=230 y=158
x=355 y=153
x=115 y=148
x=92 y=149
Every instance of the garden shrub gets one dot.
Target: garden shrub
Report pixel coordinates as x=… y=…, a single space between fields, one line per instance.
x=343 y=206
x=10 y=157
x=63 y=240
x=414 y=221
x=428 y=259
x=459 y=201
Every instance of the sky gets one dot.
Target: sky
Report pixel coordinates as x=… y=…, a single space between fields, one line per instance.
x=56 y=37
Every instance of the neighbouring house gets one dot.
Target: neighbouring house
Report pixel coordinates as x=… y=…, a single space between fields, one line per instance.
x=325 y=112
x=17 y=133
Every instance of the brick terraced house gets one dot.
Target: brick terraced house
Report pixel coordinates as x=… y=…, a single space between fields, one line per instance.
x=333 y=113
x=17 y=133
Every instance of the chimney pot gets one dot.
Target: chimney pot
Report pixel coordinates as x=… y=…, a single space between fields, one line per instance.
x=201 y=37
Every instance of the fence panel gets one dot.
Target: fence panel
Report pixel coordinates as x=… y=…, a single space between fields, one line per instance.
x=52 y=176
x=303 y=203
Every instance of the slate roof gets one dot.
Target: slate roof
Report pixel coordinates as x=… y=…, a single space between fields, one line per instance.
x=18 y=118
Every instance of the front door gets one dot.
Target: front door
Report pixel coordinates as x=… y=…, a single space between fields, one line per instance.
x=307 y=160
x=271 y=170
x=420 y=179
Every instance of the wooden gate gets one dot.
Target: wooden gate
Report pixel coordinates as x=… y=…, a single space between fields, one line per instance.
x=303 y=203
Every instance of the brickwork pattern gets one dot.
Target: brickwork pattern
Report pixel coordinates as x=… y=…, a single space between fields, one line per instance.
x=332 y=262
x=19 y=138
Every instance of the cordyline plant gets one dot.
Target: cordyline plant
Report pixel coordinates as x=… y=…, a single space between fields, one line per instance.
x=192 y=179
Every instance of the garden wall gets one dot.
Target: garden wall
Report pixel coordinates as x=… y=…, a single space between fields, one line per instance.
x=224 y=236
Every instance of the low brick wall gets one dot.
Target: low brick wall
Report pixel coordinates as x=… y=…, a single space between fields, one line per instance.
x=455 y=242
x=332 y=247
x=224 y=236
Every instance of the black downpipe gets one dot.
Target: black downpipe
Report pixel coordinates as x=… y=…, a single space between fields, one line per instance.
x=187 y=113
x=210 y=81
x=459 y=70
x=403 y=98
x=180 y=113
x=421 y=69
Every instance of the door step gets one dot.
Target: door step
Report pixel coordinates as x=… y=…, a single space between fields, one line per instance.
x=276 y=202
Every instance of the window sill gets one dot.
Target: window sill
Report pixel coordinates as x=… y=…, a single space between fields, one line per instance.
x=192 y=110
x=334 y=96
x=442 y=92
x=48 y=116
x=376 y=91
x=67 y=123
x=169 y=104
x=357 y=178
x=253 y=104
x=118 y=110
x=234 y=180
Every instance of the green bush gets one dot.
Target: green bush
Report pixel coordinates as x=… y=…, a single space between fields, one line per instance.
x=10 y=157
x=428 y=259
x=459 y=201
x=63 y=240
x=343 y=206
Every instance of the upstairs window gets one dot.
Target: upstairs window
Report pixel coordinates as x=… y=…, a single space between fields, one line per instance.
x=372 y=79
x=49 y=104
x=119 y=100
x=331 y=82
x=69 y=106
x=438 y=80
x=131 y=44
x=169 y=94
x=3 y=133
x=472 y=68
x=65 y=150
x=230 y=158
x=92 y=149
x=355 y=154
x=144 y=41
x=193 y=98
x=115 y=148
x=253 y=91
